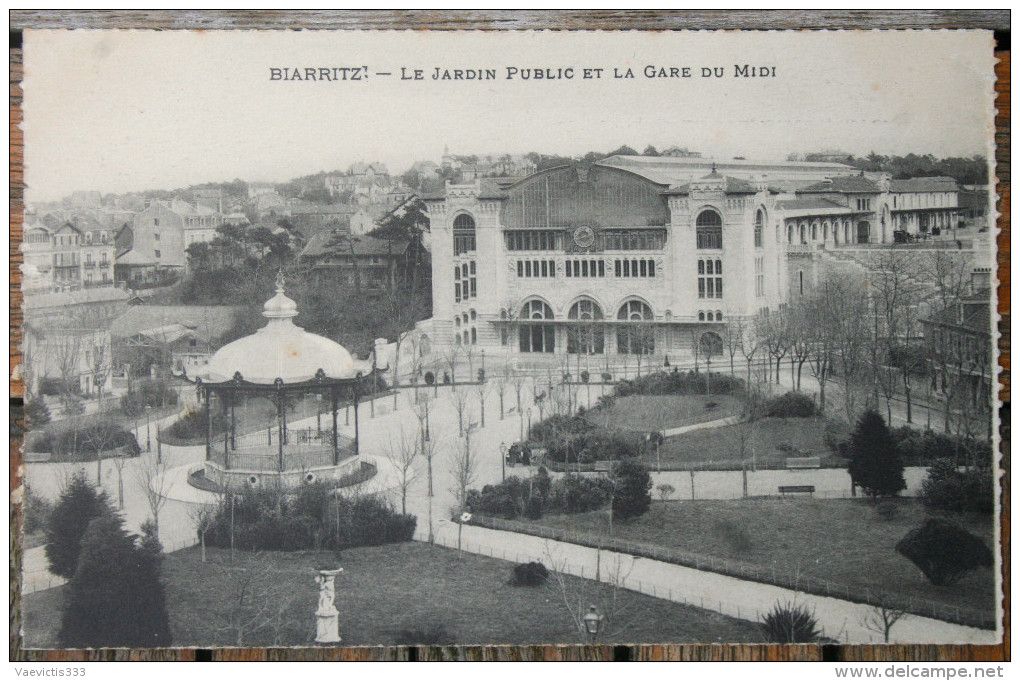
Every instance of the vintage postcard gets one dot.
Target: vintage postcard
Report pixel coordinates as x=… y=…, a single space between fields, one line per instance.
x=716 y=362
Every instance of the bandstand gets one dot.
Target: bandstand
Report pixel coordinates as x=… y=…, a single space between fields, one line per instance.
x=281 y=362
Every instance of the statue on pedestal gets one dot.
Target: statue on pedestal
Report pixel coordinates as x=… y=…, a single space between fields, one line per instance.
x=327 y=624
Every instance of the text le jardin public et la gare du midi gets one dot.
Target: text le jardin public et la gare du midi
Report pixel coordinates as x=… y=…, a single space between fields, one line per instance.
x=437 y=73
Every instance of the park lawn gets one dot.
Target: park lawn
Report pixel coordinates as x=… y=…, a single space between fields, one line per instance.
x=722 y=443
x=387 y=590
x=658 y=412
x=844 y=541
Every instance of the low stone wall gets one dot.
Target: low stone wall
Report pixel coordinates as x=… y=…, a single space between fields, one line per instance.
x=238 y=479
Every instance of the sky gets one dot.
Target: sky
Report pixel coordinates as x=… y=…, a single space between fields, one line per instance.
x=136 y=110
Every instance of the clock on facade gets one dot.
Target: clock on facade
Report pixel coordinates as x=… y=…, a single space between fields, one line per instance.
x=584 y=236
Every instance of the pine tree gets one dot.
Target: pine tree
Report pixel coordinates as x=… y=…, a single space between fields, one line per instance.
x=875 y=463
x=632 y=491
x=78 y=505
x=116 y=597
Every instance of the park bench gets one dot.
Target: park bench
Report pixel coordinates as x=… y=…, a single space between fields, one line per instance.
x=804 y=462
x=796 y=489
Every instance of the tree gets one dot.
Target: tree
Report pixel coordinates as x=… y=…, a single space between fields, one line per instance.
x=464 y=469
x=115 y=598
x=875 y=465
x=150 y=475
x=403 y=455
x=462 y=404
x=881 y=620
x=79 y=503
x=501 y=383
x=631 y=490
x=257 y=600
x=944 y=551
x=482 y=389
x=37 y=414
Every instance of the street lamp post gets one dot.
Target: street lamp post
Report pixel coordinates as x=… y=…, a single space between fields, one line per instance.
x=148 y=428
x=502 y=458
x=529 y=423
x=593 y=621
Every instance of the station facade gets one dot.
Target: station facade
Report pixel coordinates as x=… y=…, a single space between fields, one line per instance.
x=640 y=255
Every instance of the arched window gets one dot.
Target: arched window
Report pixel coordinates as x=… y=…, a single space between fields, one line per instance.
x=456 y=273
x=701 y=315
x=456 y=322
x=800 y=276
x=803 y=234
x=825 y=230
x=474 y=336
x=465 y=318
x=473 y=315
x=789 y=234
x=457 y=336
x=709 y=229
x=463 y=234
x=534 y=335
x=814 y=231
x=718 y=315
x=585 y=334
x=637 y=336
x=759 y=225
x=711 y=316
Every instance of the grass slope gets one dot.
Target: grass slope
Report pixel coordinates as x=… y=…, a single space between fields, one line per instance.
x=844 y=541
x=387 y=590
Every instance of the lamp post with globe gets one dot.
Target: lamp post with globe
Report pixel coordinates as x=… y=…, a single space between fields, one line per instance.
x=593 y=621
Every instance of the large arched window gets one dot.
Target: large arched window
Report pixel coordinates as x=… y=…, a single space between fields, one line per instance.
x=759 y=226
x=463 y=234
x=585 y=334
x=637 y=335
x=536 y=336
x=709 y=229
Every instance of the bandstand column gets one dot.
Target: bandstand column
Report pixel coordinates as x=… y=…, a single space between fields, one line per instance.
x=208 y=425
x=226 y=434
x=357 y=436
x=279 y=424
x=336 y=440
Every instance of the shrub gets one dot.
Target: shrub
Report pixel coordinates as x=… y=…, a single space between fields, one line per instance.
x=529 y=574
x=632 y=493
x=789 y=405
x=875 y=463
x=944 y=552
x=147 y=393
x=679 y=383
x=922 y=447
x=192 y=426
x=312 y=517
x=36 y=511
x=947 y=489
x=579 y=494
x=665 y=490
x=115 y=597
x=77 y=506
x=790 y=623
x=837 y=437
x=84 y=441
x=887 y=510
x=37 y=414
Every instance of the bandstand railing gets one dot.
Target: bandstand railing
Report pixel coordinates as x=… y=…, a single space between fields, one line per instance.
x=302 y=449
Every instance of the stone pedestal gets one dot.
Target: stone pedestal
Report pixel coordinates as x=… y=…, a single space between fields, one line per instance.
x=327 y=622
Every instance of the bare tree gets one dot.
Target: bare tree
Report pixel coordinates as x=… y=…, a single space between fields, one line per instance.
x=749 y=342
x=150 y=475
x=482 y=389
x=257 y=602
x=429 y=449
x=733 y=335
x=799 y=338
x=881 y=619
x=403 y=455
x=518 y=379
x=450 y=356
x=202 y=517
x=464 y=469
x=462 y=405
x=578 y=595
x=775 y=336
x=118 y=464
x=501 y=384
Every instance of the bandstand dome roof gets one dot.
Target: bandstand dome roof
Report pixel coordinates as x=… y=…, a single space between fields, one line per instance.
x=281 y=349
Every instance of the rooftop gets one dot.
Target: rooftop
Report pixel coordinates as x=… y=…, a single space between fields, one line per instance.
x=846 y=184
x=924 y=184
x=363 y=245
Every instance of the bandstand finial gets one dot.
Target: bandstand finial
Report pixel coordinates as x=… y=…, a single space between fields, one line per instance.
x=279 y=280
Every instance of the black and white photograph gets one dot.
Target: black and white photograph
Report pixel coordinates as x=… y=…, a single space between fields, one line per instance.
x=397 y=338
